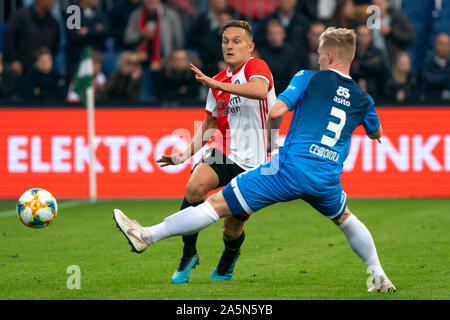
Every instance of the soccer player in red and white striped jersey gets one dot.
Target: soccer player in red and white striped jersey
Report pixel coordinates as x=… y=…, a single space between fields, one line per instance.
x=239 y=99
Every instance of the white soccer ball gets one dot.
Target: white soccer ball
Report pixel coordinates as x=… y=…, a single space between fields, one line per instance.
x=37 y=208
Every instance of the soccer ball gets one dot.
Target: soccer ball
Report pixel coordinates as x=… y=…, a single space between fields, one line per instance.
x=37 y=208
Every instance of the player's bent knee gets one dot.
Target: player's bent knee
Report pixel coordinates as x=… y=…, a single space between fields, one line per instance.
x=219 y=204
x=347 y=213
x=195 y=192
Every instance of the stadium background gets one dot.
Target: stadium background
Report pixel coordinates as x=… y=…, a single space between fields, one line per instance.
x=290 y=252
x=43 y=140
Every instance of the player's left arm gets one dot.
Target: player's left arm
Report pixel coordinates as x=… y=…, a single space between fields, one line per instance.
x=276 y=115
x=256 y=88
x=372 y=124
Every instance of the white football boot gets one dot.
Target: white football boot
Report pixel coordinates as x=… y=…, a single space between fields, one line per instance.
x=380 y=283
x=132 y=230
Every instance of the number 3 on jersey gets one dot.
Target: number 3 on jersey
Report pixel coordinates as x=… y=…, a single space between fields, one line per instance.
x=334 y=127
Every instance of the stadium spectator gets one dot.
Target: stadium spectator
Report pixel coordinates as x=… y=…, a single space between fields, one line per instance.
x=29 y=29
x=207 y=25
x=396 y=32
x=279 y=55
x=322 y=10
x=176 y=81
x=253 y=9
x=126 y=83
x=309 y=58
x=293 y=21
x=436 y=70
x=8 y=80
x=402 y=85
x=344 y=15
x=155 y=30
x=98 y=82
x=118 y=20
x=210 y=44
x=188 y=10
x=41 y=83
x=368 y=68
x=93 y=32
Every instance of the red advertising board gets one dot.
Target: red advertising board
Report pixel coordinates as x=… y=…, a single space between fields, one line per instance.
x=48 y=148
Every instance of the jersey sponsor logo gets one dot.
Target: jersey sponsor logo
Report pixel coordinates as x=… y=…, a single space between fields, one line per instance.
x=324 y=153
x=341 y=101
x=225 y=107
x=343 y=92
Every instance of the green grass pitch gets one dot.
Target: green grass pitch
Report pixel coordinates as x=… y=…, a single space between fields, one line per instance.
x=290 y=252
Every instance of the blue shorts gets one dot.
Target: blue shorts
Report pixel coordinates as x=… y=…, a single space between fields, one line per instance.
x=258 y=188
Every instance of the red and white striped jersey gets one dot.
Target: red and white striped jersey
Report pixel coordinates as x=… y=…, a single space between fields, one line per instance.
x=242 y=121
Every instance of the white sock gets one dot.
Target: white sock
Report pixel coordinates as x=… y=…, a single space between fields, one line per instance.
x=360 y=240
x=186 y=221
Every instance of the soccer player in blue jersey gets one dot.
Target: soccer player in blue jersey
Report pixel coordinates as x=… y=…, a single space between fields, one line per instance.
x=328 y=106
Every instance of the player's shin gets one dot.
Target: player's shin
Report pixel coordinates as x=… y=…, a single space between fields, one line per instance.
x=361 y=241
x=230 y=253
x=190 y=240
x=186 y=221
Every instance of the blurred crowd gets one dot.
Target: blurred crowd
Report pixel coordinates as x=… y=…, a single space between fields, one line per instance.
x=142 y=48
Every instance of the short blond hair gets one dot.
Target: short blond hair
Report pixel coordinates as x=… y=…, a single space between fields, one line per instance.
x=342 y=41
x=239 y=24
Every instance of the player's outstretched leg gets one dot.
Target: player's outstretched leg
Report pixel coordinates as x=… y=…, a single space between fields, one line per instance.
x=233 y=237
x=187 y=221
x=361 y=242
x=190 y=258
x=133 y=231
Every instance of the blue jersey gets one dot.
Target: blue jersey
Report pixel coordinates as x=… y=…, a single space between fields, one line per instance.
x=328 y=106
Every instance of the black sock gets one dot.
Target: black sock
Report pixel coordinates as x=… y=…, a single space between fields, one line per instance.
x=190 y=241
x=230 y=253
x=235 y=244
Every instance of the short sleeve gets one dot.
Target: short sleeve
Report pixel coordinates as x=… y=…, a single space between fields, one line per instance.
x=371 y=122
x=257 y=68
x=297 y=87
x=211 y=105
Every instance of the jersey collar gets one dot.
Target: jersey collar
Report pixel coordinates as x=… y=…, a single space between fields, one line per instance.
x=230 y=74
x=340 y=73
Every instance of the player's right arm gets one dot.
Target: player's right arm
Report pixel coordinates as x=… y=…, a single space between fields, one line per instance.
x=203 y=135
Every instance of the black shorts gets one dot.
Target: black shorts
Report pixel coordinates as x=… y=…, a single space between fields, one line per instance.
x=225 y=169
x=223 y=166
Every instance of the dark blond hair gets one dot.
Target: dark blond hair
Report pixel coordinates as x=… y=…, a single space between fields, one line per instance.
x=341 y=40
x=239 y=24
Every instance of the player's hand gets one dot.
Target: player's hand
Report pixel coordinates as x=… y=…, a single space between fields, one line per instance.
x=203 y=79
x=172 y=160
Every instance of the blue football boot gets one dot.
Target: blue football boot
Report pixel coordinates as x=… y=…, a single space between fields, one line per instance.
x=224 y=269
x=183 y=272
